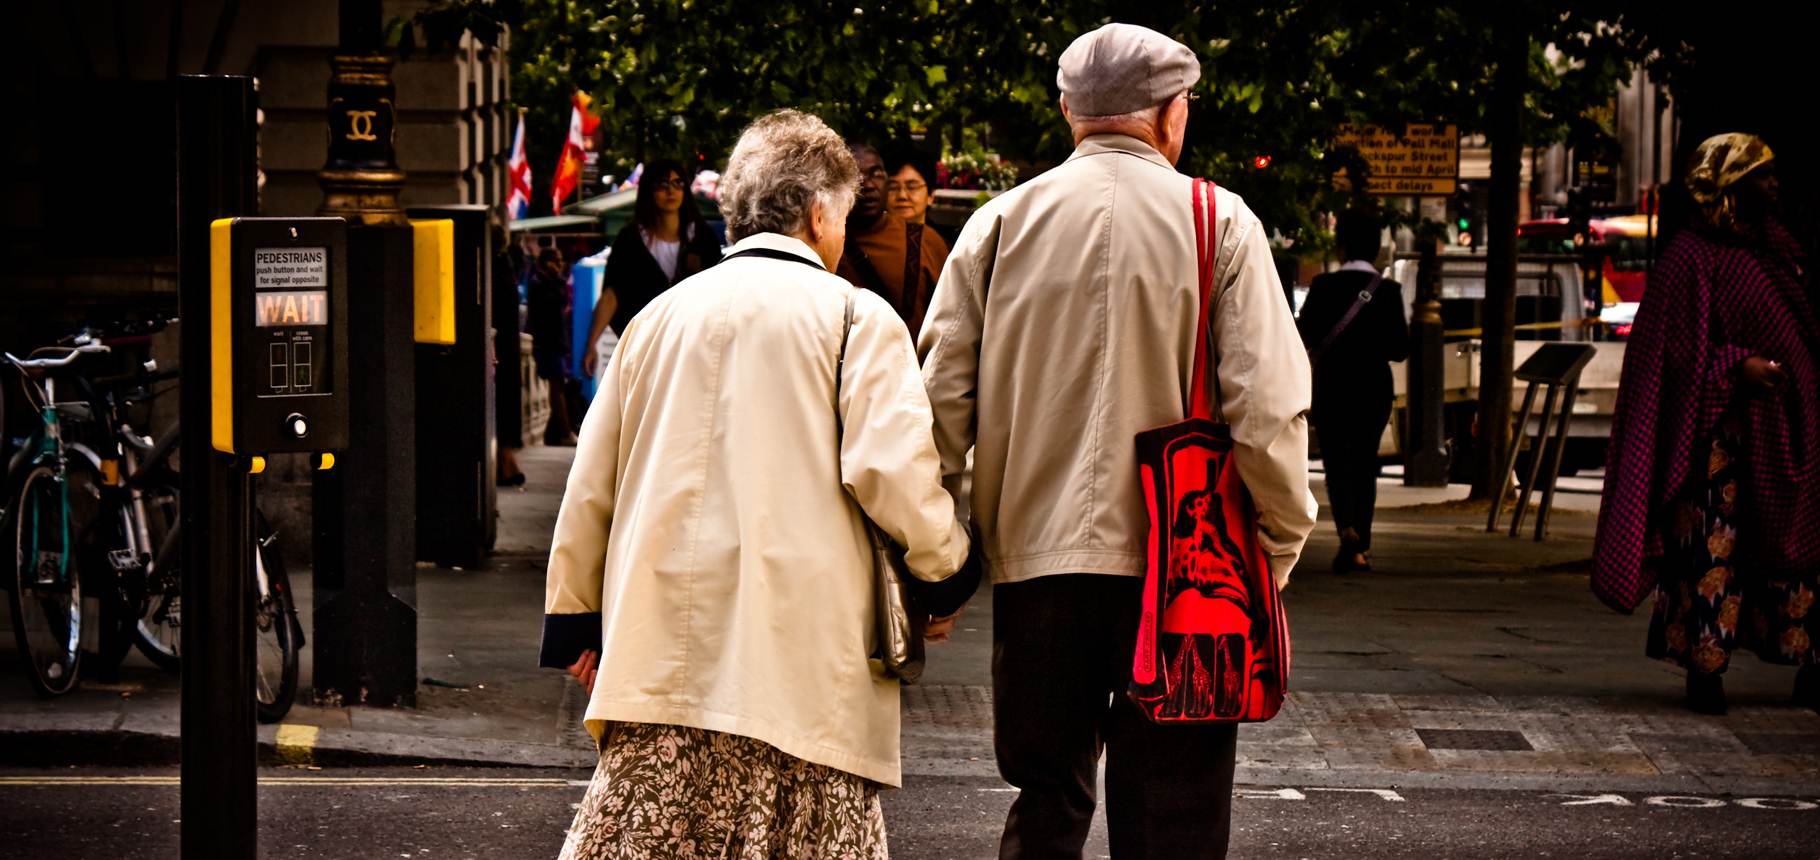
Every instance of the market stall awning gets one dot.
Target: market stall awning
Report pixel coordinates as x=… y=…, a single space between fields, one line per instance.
x=562 y=224
x=599 y=205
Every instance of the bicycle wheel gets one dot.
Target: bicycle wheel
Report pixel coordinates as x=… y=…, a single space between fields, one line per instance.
x=46 y=596
x=159 y=634
x=276 y=633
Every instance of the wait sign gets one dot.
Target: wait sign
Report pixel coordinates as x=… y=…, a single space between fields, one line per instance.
x=1422 y=160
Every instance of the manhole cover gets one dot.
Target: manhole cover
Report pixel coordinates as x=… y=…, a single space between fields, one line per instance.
x=1474 y=739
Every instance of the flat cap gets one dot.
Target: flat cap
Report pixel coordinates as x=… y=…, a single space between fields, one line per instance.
x=1121 y=68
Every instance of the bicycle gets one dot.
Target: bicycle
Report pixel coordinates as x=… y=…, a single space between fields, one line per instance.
x=129 y=534
x=158 y=628
x=46 y=596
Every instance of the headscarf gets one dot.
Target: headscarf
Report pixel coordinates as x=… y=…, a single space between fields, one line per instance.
x=1719 y=163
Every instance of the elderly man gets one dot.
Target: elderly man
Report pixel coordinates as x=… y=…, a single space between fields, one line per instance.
x=1063 y=325
x=895 y=258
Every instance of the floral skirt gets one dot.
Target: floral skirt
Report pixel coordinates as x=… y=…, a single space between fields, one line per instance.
x=676 y=792
x=1704 y=608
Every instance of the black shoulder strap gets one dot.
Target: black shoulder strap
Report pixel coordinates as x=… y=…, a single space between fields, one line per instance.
x=840 y=364
x=1358 y=304
x=774 y=254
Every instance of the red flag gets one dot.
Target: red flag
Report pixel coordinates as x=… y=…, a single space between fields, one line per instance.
x=582 y=123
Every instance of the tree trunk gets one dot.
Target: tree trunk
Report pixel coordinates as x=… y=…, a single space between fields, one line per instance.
x=1500 y=310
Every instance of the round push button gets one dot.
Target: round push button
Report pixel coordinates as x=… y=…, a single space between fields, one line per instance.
x=297 y=425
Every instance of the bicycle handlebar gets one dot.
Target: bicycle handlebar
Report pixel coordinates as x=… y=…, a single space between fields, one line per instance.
x=68 y=358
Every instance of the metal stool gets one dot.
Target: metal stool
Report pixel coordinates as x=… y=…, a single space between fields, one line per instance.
x=1554 y=367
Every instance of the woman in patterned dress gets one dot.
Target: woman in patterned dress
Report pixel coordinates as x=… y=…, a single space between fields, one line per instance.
x=1709 y=499
x=711 y=578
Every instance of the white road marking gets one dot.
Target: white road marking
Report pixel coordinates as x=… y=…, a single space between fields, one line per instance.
x=1684 y=801
x=1593 y=799
x=1766 y=803
x=1383 y=794
x=1268 y=794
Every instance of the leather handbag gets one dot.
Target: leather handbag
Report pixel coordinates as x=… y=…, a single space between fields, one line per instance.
x=1213 y=641
x=899 y=650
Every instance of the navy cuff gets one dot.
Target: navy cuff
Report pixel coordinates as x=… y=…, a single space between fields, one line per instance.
x=944 y=598
x=566 y=636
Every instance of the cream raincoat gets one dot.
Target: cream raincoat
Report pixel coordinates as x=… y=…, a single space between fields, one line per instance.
x=708 y=542
x=1064 y=325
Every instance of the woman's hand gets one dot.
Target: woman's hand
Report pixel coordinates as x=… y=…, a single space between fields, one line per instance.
x=584 y=669
x=1764 y=373
x=939 y=628
x=588 y=360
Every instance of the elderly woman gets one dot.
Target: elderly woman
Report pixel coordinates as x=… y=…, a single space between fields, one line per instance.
x=1709 y=494
x=711 y=577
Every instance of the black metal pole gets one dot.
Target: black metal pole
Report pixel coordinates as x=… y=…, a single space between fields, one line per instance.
x=1426 y=459
x=365 y=587
x=216 y=170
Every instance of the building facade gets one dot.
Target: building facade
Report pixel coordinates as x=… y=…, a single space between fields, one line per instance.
x=89 y=216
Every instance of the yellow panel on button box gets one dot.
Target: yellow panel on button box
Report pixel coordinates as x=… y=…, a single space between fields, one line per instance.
x=433 y=280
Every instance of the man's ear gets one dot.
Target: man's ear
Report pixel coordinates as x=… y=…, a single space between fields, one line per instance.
x=1063 y=101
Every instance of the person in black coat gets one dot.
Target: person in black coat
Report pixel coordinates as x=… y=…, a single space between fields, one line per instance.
x=1352 y=383
x=666 y=242
x=507 y=386
x=547 y=308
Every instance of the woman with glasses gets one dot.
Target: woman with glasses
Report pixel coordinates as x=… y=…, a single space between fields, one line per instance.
x=909 y=183
x=666 y=242
x=898 y=259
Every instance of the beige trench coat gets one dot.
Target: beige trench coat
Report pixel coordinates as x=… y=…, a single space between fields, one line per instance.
x=708 y=541
x=1064 y=325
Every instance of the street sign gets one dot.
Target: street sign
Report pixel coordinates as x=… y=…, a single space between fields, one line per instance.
x=1594 y=169
x=1422 y=159
x=278 y=335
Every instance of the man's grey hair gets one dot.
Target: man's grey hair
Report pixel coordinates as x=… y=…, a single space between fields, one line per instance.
x=784 y=162
x=1141 y=116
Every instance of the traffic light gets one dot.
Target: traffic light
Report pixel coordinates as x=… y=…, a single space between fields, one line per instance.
x=1260 y=162
x=1579 y=216
x=1466 y=217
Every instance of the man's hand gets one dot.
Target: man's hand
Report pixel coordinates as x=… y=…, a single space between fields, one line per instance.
x=939 y=628
x=1765 y=374
x=589 y=360
x=584 y=669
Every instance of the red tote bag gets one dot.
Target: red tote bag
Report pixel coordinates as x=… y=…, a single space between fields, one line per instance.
x=1213 y=642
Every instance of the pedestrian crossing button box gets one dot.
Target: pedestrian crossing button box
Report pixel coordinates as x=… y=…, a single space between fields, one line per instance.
x=278 y=335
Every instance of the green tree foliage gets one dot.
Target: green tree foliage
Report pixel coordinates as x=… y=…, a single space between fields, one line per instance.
x=681 y=77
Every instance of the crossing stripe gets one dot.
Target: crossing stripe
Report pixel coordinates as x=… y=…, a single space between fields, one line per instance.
x=296 y=744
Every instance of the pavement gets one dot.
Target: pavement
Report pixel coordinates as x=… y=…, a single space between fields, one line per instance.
x=1466 y=662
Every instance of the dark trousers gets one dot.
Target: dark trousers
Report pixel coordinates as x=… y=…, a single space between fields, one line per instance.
x=1349 y=451
x=1061 y=660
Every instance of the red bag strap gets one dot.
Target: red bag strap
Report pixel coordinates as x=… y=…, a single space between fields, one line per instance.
x=1207 y=249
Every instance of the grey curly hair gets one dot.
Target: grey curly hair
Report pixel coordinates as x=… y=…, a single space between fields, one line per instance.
x=783 y=162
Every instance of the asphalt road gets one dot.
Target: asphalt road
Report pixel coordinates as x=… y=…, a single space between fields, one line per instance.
x=465 y=813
